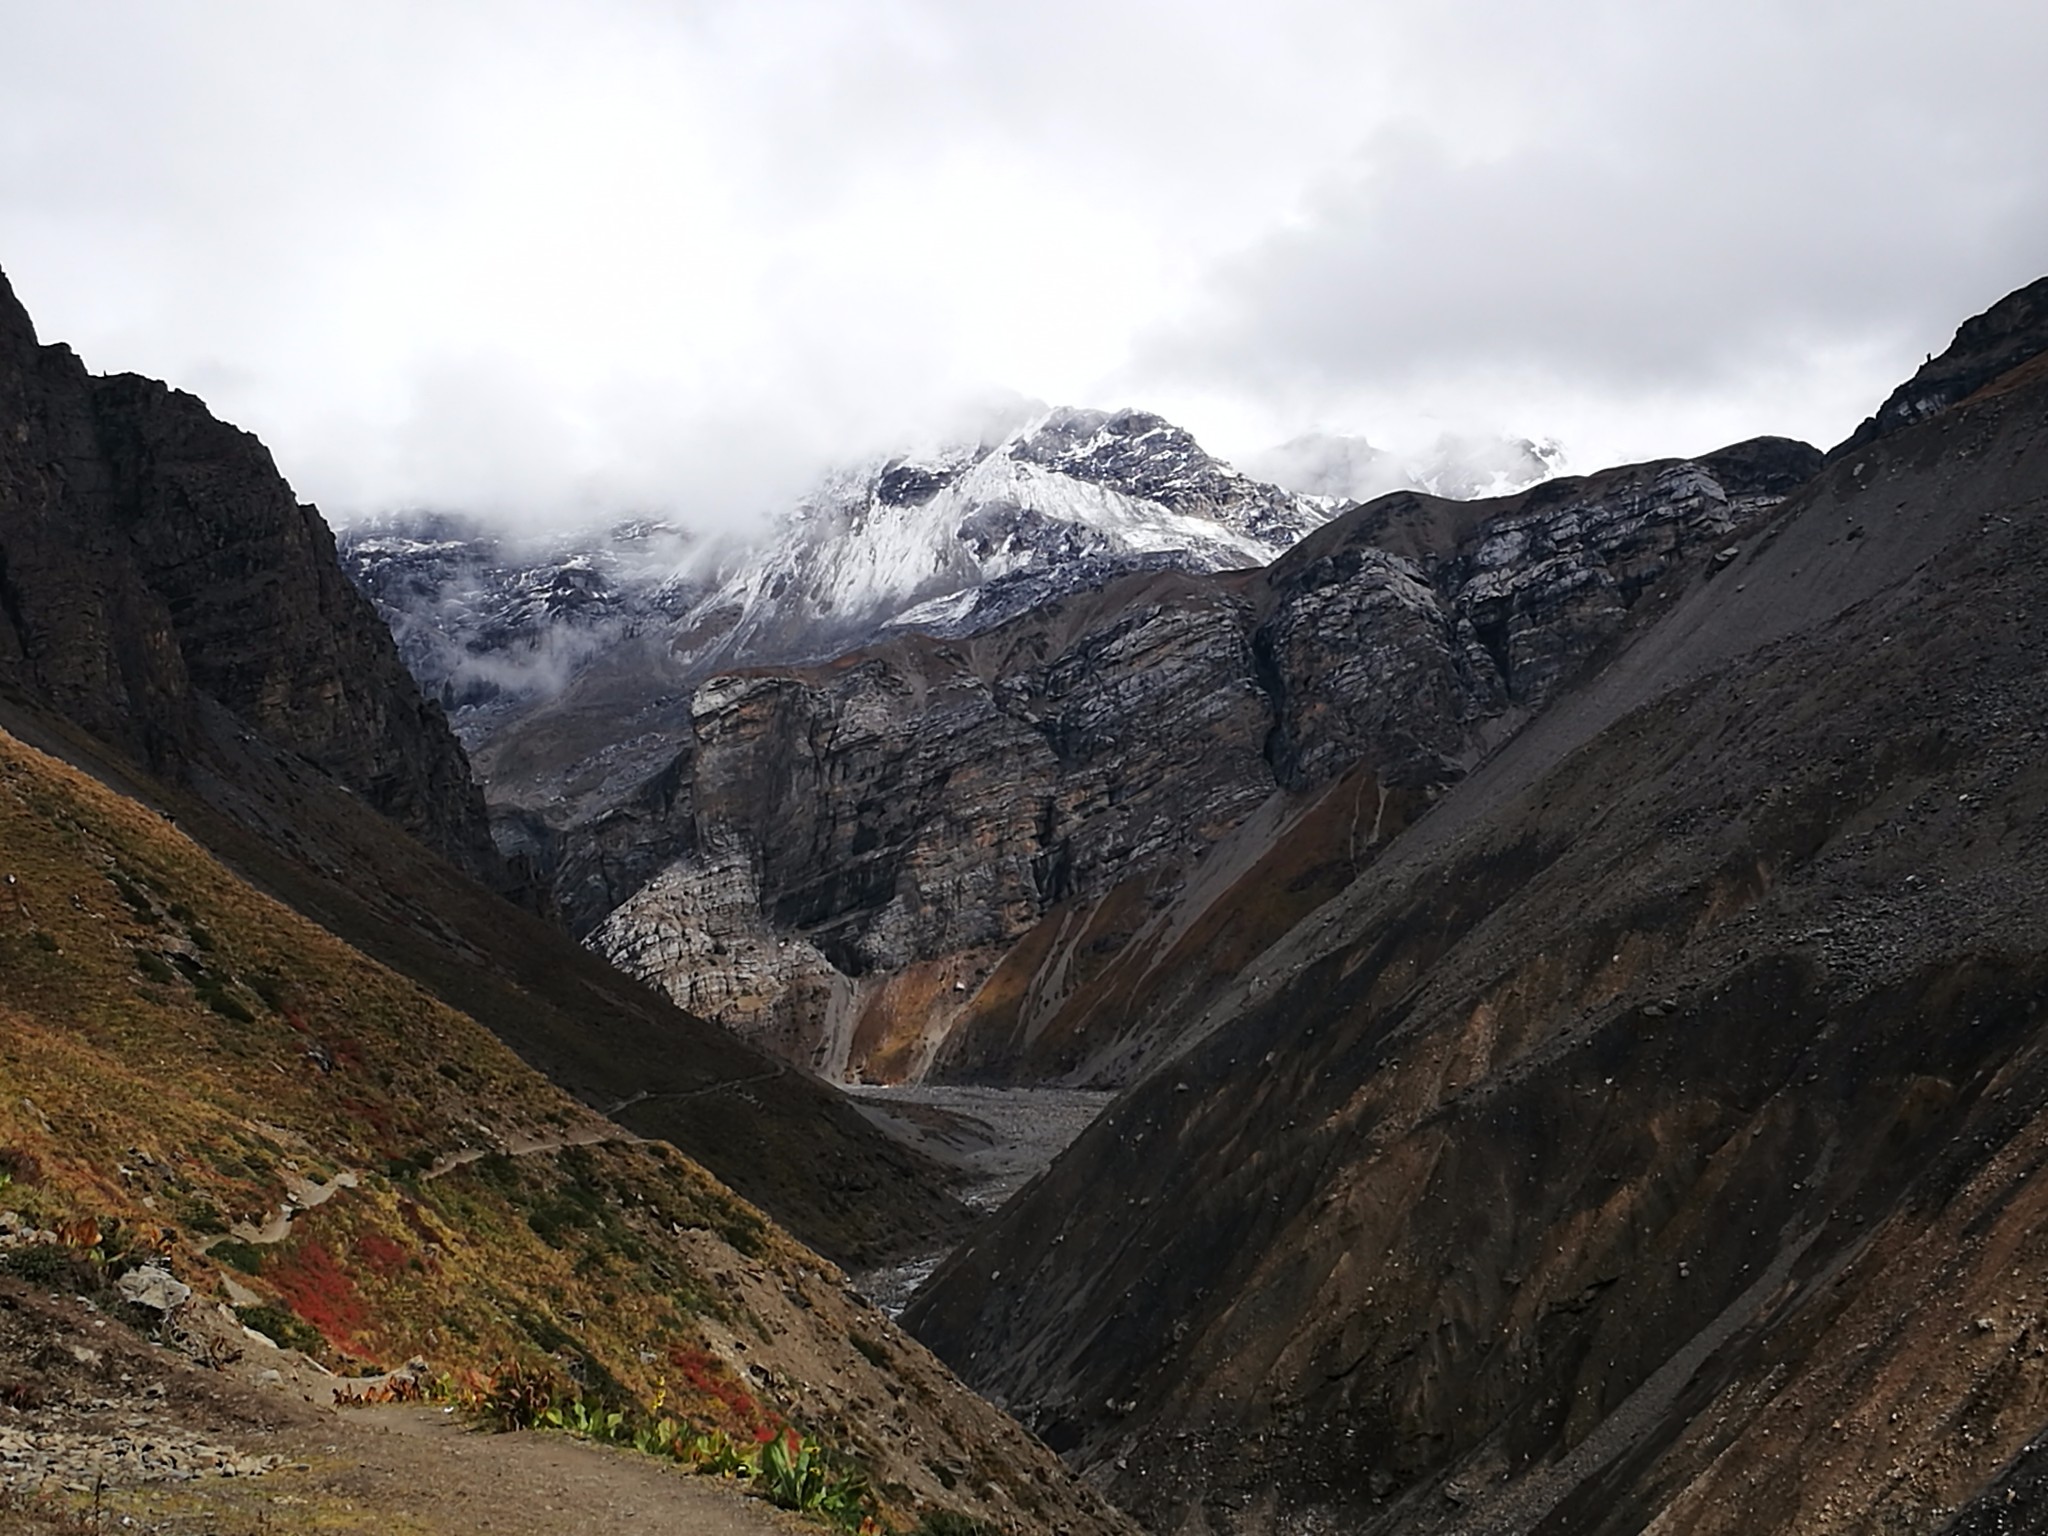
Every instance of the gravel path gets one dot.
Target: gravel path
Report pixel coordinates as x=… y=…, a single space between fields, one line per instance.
x=91 y=1411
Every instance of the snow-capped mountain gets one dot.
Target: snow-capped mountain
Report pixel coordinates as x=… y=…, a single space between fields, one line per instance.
x=487 y=622
x=957 y=538
x=948 y=540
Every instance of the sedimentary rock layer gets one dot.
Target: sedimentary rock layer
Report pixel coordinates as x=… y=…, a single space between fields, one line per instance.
x=916 y=814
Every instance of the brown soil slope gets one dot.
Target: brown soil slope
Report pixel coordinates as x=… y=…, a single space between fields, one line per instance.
x=1650 y=1139
x=193 y=1076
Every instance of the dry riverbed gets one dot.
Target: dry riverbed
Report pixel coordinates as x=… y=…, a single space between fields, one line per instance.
x=997 y=1139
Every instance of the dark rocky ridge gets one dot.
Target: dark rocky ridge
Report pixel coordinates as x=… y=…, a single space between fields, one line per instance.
x=876 y=865
x=174 y=624
x=1651 y=1137
x=151 y=555
x=1985 y=348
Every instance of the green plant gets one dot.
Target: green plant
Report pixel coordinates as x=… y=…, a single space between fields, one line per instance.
x=580 y=1416
x=660 y=1437
x=246 y=1257
x=202 y=1219
x=57 y=1266
x=519 y=1396
x=950 y=1522
x=797 y=1473
x=281 y=1327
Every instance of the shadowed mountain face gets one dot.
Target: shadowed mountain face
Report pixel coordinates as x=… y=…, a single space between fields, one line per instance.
x=1651 y=1136
x=153 y=560
x=174 y=622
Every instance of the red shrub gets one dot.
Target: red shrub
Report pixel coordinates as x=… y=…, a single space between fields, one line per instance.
x=728 y=1404
x=320 y=1292
x=381 y=1255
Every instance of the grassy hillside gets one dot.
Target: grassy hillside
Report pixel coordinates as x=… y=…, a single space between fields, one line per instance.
x=791 y=1145
x=188 y=1066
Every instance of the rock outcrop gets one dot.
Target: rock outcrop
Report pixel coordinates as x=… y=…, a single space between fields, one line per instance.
x=1651 y=1136
x=920 y=815
x=152 y=559
x=1987 y=347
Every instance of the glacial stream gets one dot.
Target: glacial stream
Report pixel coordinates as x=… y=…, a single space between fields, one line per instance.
x=999 y=1138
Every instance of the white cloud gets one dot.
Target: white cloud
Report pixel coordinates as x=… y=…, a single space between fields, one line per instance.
x=548 y=260
x=1740 y=215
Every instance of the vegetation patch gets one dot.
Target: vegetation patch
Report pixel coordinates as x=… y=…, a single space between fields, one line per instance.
x=246 y=1257
x=322 y=1293
x=281 y=1327
x=783 y=1465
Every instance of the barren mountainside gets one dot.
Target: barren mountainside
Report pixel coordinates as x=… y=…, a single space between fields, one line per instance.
x=1650 y=1137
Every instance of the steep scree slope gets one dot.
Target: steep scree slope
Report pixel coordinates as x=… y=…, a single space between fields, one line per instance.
x=1651 y=1138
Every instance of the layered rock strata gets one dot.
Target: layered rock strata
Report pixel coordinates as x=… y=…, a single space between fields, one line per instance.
x=921 y=815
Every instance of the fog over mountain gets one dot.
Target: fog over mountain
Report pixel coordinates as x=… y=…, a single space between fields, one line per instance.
x=1353 y=469
x=566 y=265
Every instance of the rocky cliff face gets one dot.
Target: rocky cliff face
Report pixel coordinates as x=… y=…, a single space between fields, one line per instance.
x=1987 y=347
x=153 y=562
x=941 y=839
x=1650 y=1137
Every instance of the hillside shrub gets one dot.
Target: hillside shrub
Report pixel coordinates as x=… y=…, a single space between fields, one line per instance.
x=246 y=1257
x=281 y=1327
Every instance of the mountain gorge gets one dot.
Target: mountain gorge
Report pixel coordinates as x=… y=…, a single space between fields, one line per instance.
x=278 y=1061
x=1574 y=962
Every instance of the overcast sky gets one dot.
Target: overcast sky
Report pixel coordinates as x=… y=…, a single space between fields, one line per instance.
x=557 y=259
